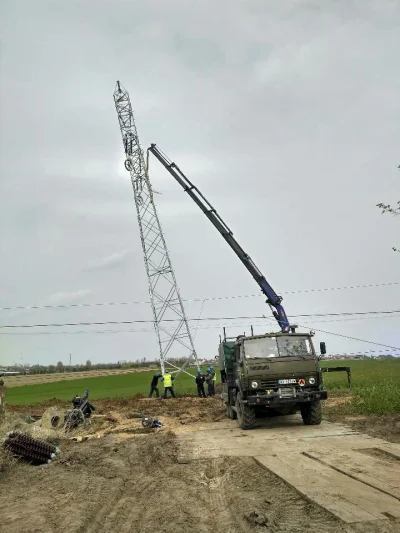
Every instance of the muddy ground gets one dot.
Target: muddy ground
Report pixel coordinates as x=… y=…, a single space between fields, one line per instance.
x=383 y=426
x=386 y=426
x=123 y=479
x=137 y=485
x=192 y=410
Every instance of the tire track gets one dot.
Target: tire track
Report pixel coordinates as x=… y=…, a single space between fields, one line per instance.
x=228 y=519
x=284 y=508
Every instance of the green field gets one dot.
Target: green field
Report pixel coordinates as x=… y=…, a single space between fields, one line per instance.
x=117 y=386
x=375 y=387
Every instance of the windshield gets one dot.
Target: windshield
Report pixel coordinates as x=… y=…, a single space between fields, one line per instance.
x=268 y=347
x=294 y=346
x=260 y=348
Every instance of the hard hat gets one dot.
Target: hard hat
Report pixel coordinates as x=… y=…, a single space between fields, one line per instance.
x=208 y=369
x=199 y=371
x=167 y=371
x=211 y=368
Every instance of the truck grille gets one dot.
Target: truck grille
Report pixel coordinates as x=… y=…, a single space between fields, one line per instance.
x=269 y=384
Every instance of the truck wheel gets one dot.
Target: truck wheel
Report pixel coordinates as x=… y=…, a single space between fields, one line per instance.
x=230 y=412
x=311 y=413
x=246 y=416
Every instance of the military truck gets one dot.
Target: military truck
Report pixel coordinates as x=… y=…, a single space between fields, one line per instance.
x=275 y=373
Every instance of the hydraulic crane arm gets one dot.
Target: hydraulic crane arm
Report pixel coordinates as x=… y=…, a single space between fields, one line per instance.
x=273 y=300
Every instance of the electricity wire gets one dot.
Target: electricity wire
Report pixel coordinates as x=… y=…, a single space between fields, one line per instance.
x=215 y=298
x=199 y=319
x=130 y=322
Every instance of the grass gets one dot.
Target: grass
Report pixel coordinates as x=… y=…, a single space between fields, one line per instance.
x=118 y=386
x=375 y=388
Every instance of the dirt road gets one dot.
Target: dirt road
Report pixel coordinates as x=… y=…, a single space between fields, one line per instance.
x=200 y=477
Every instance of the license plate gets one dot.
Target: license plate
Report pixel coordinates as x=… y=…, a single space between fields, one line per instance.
x=287 y=381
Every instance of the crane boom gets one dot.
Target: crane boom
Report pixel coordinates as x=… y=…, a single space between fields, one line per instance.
x=273 y=300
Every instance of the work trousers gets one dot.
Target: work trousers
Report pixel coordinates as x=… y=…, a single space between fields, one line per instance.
x=211 y=389
x=200 y=390
x=171 y=390
x=154 y=388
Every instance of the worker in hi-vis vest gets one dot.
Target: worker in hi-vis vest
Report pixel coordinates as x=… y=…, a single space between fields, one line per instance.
x=167 y=379
x=214 y=374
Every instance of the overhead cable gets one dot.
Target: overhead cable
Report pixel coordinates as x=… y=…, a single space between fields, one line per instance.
x=214 y=298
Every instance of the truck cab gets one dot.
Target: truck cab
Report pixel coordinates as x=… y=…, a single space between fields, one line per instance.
x=277 y=373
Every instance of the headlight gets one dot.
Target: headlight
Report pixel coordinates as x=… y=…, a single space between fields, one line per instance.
x=311 y=381
x=254 y=384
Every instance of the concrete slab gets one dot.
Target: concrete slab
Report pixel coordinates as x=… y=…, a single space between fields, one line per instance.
x=375 y=471
x=350 y=500
x=348 y=479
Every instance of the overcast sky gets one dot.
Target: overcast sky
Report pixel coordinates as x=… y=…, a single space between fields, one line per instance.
x=285 y=114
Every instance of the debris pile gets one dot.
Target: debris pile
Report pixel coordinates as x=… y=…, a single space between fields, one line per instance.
x=152 y=423
x=81 y=411
x=31 y=449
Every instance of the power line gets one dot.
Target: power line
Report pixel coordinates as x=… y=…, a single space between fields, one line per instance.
x=353 y=338
x=254 y=321
x=202 y=319
x=347 y=336
x=122 y=322
x=216 y=298
x=257 y=321
x=361 y=313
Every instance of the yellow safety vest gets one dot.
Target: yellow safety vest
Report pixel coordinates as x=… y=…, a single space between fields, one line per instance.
x=167 y=380
x=215 y=377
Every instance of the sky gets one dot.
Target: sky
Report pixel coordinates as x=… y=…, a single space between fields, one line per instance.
x=284 y=114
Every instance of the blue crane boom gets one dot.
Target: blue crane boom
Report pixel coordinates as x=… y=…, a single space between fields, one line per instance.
x=273 y=300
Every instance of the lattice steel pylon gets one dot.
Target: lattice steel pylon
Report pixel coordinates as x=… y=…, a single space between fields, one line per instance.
x=165 y=299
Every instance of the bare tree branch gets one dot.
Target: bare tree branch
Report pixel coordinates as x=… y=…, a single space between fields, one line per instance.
x=395 y=211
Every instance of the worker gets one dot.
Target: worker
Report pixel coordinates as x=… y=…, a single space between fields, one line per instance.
x=214 y=378
x=200 y=378
x=153 y=385
x=168 y=385
x=210 y=383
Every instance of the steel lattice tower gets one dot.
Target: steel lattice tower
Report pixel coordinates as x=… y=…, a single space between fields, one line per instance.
x=165 y=299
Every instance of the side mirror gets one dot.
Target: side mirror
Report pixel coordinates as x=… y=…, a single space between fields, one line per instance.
x=322 y=348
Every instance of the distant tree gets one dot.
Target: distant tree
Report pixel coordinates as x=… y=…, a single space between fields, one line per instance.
x=60 y=366
x=394 y=211
x=89 y=364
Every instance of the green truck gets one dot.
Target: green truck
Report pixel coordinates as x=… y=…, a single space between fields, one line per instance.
x=275 y=373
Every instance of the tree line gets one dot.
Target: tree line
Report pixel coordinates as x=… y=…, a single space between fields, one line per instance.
x=60 y=367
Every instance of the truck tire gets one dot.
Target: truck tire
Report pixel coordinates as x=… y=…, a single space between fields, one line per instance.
x=311 y=413
x=230 y=412
x=246 y=416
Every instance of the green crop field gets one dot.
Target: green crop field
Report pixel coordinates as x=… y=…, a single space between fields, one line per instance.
x=375 y=387
x=117 y=386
